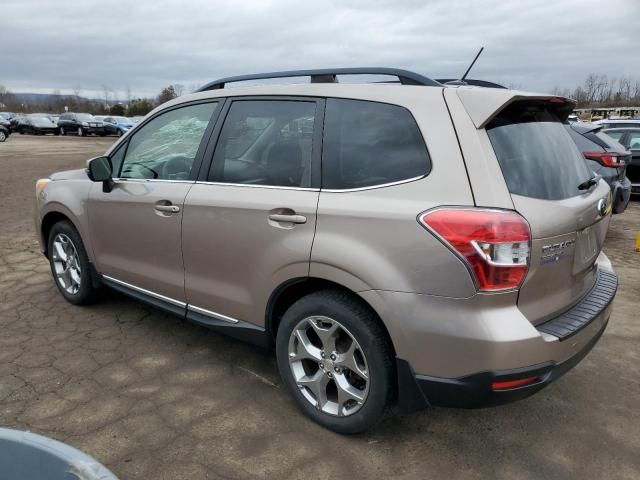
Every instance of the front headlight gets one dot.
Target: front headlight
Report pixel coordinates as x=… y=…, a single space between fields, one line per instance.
x=85 y=124
x=41 y=184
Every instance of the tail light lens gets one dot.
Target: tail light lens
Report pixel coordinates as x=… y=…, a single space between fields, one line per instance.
x=606 y=159
x=494 y=243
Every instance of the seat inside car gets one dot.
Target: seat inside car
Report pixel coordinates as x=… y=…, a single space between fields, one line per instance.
x=284 y=163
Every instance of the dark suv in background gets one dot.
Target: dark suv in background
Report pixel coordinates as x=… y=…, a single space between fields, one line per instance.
x=80 y=124
x=630 y=138
x=607 y=158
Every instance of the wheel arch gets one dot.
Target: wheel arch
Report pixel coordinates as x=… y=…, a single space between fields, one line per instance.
x=287 y=293
x=48 y=221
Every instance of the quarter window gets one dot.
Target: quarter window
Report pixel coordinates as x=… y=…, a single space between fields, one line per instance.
x=368 y=143
x=266 y=142
x=166 y=147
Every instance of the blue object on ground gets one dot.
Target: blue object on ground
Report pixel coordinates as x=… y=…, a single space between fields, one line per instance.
x=27 y=456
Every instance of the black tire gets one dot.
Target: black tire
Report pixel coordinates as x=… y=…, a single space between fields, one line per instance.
x=364 y=326
x=86 y=293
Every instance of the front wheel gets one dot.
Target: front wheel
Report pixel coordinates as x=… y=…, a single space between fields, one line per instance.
x=335 y=359
x=80 y=132
x=61 y=131
x=3 y=136
x=70 y=265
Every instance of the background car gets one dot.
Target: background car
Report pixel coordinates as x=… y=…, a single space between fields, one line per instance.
x=6 y=116
x=606 y=158
x=117 y=125
x=38 y=124
x=80 y=124
x=620 y=123
x=15 y=121
x=630 y=138
x=136 y=119
x=5 y=129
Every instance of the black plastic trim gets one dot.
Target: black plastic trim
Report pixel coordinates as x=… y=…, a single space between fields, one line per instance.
x=244 y=331
x=323 y=75
x=579 y=316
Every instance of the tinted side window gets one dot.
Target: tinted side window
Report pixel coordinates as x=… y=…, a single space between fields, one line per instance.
x=368 y=143
x=166 y=147
x=634 y=140
x=116 y=160
x=266 y=142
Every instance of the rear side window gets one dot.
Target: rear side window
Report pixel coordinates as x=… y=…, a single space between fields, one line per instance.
x=368 y=143
x=537 y=155
x=266 y=142
x=616 y=135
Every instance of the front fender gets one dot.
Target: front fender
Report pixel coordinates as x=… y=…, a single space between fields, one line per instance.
x=70 y=199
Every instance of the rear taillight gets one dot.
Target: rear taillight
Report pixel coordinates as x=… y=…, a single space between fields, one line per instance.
x=494 y=243
x=606 y=159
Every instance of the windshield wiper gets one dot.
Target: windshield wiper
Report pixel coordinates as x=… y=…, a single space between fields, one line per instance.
x=589 y=183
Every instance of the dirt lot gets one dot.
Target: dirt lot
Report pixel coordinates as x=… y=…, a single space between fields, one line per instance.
x=154 y=397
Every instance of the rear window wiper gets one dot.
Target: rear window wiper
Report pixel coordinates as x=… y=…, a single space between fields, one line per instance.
x=589 y=183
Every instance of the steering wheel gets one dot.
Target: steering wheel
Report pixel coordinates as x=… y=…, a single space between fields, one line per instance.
x=175 y=166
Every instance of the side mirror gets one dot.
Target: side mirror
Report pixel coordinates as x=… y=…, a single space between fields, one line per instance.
x=99 y=169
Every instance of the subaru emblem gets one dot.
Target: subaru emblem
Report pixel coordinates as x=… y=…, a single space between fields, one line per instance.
x=602 y=207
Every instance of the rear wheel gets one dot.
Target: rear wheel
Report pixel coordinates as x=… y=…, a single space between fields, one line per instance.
x=3 y=136
x=70 y=265
x=335 y=359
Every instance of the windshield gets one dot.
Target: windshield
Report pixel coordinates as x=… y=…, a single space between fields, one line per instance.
x=85 y=117
x=537 y=155
x=122 y=120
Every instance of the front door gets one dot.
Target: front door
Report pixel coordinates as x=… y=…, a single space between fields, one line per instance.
x=136 y=227
x=249 y=225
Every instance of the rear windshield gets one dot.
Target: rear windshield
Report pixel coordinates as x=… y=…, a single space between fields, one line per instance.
x=537 y=155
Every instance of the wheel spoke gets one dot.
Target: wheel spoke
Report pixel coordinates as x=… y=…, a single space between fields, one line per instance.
x=59 y=251
x=317 y=384
x=75 y=276
x=305 y=348
x=327 y=335
x=348 y=360
x=346 y=392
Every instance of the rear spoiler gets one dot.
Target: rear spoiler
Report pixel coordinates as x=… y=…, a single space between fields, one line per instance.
x=483 y=104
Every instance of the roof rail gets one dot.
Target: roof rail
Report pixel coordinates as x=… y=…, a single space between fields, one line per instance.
x=328 y=75
x=470 y=81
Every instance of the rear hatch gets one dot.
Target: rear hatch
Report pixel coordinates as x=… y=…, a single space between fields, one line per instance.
x=548 y=180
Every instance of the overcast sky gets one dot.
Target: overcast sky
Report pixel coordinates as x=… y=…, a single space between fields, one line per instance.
x=147 y=44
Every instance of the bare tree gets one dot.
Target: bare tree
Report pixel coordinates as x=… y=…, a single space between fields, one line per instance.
x=178 y=88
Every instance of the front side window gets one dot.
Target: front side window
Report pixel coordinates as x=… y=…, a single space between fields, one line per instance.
x=266 y=142
x=368 y=143
x=165 y=148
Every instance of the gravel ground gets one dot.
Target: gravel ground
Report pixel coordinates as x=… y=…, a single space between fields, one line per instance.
x=151 y=396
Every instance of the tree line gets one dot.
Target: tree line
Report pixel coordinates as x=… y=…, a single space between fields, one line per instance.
x=108 y=104
x=598 y=90
x=603 y=91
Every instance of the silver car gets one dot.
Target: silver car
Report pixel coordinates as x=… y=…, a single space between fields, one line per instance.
x=397 y=245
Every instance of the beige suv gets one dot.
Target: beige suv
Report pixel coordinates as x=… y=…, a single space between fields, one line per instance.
x=406 y=245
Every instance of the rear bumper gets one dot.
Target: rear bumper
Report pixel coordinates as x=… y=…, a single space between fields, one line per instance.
x=563 y=340
x=475 y=391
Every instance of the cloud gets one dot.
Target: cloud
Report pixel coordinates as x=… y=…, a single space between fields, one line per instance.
x=145 y=45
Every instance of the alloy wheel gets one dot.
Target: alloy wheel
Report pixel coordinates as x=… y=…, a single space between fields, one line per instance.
x=66 y=264
x=328 y=366
x=80 y=132
x=3 y=136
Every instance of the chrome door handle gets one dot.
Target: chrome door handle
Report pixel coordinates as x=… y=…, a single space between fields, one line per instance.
x=168 y=208
x=280 y=217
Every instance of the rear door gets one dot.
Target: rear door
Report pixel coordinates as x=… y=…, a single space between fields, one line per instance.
x=249 y=221
x=545 y=174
